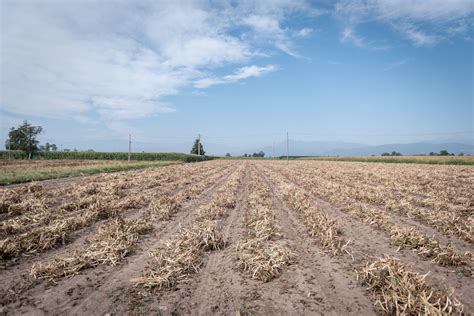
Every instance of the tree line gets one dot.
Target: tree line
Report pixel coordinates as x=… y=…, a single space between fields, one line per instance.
x=441 y=153
x=25 y=138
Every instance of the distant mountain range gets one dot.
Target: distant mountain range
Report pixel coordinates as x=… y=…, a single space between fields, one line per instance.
x=314 y=148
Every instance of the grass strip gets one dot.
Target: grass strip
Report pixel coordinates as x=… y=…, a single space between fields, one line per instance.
x=37 y=175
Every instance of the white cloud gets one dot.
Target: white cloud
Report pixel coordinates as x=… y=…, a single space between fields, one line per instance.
x=109 y=61
x=349 y=35
x=418 y=37
x=240 y=74
x=50 y=70
x=304 y=32
x=425 y=10
x=267 y=28
x=263 y=24
x=424 y=22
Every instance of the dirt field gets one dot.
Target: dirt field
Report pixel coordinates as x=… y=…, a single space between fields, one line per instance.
x=242 y=237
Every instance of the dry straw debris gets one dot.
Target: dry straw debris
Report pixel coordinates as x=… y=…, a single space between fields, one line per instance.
x=182 y=256
x=113 y=242
x=429 y=247
x=262 y=260
x=163 y=208
x=259 y=254
x=343 y=195
x=319 y=224
x=399 y=291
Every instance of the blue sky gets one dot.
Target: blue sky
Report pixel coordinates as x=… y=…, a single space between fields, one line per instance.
x=240 y=73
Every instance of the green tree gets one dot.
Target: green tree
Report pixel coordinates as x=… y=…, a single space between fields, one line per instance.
x=24 y=137
x=444 y=153
x=54 y=147
x=259 y=154
x=228 y=155
x=45 y=147
x=195 y=151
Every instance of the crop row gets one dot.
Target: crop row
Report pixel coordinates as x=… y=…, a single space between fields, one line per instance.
x=183 y=255
x=109 y=246
x=31 y=197
x=435 y=187
x=260 y=254
x=101 y=205
x=440 y=188
x=44 y=206
x=115 y=240
x=90 y=155
x=319 y=224
x=395 y=288
x=412 y=238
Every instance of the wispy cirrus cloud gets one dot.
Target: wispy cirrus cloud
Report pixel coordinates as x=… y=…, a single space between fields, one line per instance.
x=268 y=29
x=423 y=22
x=349 y=35
x=397 y=64
x=240 y=74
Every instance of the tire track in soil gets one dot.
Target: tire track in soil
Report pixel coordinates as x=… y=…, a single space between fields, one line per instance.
x=370 y=243
x=17 y=278
x=315 y=283
x=219 y=278
x=99 y=290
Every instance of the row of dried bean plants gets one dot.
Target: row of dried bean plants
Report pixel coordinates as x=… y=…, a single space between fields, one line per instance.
x=395 y=288
x=183 y=255
x=117 y=239
x=261 y=254
x=101 y=204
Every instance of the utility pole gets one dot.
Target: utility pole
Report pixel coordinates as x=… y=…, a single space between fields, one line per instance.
x=129 y=146
x=199 y=144
x=287 y=148
x=9 y=148
x=273 y=150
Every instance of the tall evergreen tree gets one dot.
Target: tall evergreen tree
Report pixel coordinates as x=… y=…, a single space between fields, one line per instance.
x=194 y=150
